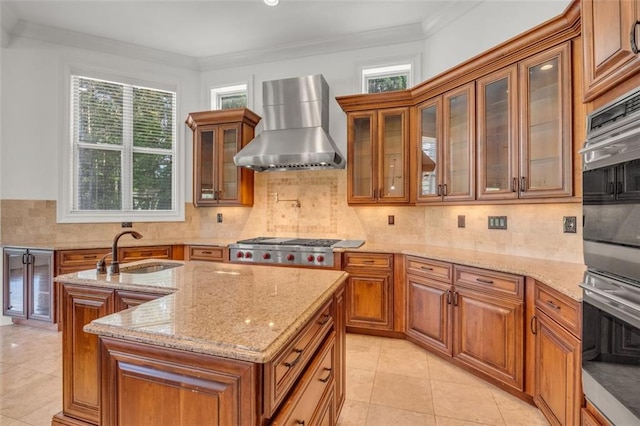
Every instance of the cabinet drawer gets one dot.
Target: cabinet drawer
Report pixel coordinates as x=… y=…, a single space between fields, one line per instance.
x=368 y=260
x=496 y=283
x=283 y=371
x=213 y=254
x=129 y=254
x=433 y=269
x=307 y=396
x=559 y=307
x=78 y=260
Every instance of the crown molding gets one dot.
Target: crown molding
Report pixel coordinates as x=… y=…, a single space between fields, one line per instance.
x=361 y=40
x=453 y=10
x=101 y=44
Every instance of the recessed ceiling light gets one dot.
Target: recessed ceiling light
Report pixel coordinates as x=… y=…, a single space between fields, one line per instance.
x=271 y=2
x=546 y=67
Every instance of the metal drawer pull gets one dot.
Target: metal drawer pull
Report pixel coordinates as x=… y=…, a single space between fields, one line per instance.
x=368 y=262
x=553 y=305
x=300 y=422
x=146 y=253
x=295 y=361
x=455 y=298
x=448 y=297
x=325 y=319
x=207 y=252
x=326 y=379
x=634 y=45
x=482 y=280
x=90 y=257
x=426 y=268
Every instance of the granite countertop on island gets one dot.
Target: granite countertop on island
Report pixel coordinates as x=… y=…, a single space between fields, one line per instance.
x=241 y=312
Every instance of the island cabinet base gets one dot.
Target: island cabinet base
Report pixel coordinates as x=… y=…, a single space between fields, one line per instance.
x=145 y=385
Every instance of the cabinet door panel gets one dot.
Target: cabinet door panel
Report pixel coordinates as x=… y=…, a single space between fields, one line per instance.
x=430 y=151
x=40 y=274
x=498 y=135
x=459 y=143
x=490 y=335
x=368 y=301
x=362 y=157
x=393 y=180
x=557 y=392
x=428 y=313
x=14 y=288
x=205 y=162
x=545 y=131
x=80 y=381
x=228 y=179
x=608 y=26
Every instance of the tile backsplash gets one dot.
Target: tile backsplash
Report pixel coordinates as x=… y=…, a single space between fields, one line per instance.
x=534 y=230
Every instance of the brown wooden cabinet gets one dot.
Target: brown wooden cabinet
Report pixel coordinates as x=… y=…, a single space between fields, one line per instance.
x=80 y=350
x=217 y=137
x=131 y=254
x=557 y=355
x=610 y=37
x=525 y=149
x=473 y=315
x=377 y=155
x=369 y=291
x=208 y=253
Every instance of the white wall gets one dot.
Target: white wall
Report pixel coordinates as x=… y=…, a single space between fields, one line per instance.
x=483 y=27
x=3 y=320
x=33 y=109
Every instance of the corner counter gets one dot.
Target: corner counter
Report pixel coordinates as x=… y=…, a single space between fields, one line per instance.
x=246 y=339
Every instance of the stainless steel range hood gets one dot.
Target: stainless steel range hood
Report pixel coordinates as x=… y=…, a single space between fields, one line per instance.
x=296 y=128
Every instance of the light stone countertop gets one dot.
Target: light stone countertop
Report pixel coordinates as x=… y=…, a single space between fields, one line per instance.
x=562 y=276
x=241 y=312
x=126 y=241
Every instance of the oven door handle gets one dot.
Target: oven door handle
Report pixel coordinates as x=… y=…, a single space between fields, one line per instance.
x=611 y=297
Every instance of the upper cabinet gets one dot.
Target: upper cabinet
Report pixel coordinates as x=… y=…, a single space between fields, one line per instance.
x=217 y=137
x=378 y=166
x=611 y=41
x=525 y=149
x=446 y=146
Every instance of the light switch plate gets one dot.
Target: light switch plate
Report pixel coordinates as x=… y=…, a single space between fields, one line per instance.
x=219 y=218
x=497 y=222
x=461 y=221
x=391 y=220
x=569 y=224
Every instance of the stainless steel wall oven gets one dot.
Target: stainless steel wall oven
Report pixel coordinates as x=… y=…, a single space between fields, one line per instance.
x=611 y=288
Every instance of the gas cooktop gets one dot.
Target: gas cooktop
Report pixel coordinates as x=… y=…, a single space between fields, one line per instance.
x=304 y=242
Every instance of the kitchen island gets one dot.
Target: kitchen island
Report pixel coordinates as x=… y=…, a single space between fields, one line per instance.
x=210 y=344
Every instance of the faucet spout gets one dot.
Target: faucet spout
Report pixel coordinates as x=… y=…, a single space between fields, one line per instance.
x=114 y=268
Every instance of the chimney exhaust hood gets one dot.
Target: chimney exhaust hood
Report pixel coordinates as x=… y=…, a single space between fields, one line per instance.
x=296 y=128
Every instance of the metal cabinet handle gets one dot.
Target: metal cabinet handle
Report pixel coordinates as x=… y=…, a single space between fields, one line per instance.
x=553 y=305
x=25 y=258
x=483 y=280
x=90 y=257
x=369 y=262
x=207 y=252
x=325 y=319
x=295 y=361
x=455 y=298
x=534 y=325
x=444 y=189
x=448 y=297
x=326 y=379
x=300 y=422
x=634 y=45
x=426 y=268
x=439 y=191
x=514 y=185
x=522 y=182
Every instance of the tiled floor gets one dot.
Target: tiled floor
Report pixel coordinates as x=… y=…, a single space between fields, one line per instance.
x=389 y=382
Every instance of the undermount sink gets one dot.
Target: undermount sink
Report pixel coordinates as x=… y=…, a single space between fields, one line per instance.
x=146 y=269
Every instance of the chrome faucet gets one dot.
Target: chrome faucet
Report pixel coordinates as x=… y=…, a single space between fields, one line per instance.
x=114 y=268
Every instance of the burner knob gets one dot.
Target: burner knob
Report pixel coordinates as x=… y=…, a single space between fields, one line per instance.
x=290 y=257
x=310 y=258
x=266 y=256
x=248 y=255
x=239 y=255
x=321 y=258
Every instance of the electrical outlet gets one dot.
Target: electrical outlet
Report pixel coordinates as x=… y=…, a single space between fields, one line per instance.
x=497 y=222
x=219 y=218
x=127 y=224
x=461 y=221
x=391 y=220
x=569 y=224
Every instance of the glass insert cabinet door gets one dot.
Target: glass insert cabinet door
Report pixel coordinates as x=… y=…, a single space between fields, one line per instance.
x=361 y=156
x=459 y=142
x=205 y=178
x=546 y=131
x=40 y=273
x=392 y=163
x=498 y=135
x=14 y=285
x=229 y=173
x=430 y=150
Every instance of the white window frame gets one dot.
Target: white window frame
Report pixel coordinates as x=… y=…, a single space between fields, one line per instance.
x=217 y=93
x=386 y=70
x=65 y=211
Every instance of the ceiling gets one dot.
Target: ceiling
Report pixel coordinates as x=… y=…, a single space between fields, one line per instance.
x=228 y=32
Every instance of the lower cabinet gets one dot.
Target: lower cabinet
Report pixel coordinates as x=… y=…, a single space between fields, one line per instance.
x=208 y=253
x=369 y=292
x=557 y=356
x=473 y=315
